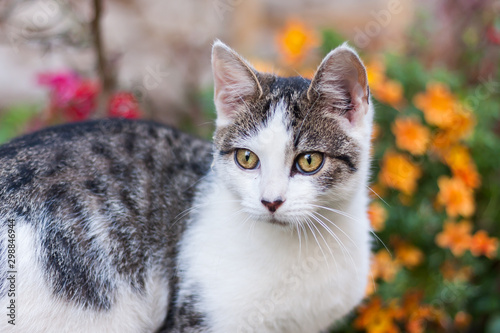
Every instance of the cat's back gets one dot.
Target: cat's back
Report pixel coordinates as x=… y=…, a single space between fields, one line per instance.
x=140 y=165
x=96 y=215
x=117 y=147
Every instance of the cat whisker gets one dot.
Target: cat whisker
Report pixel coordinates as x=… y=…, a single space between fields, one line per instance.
x=206 y=123
x=356 y=220
x=186 y=212
x=250 y=228
x=308 y=224
x=339 y=228
x=385 y=202
x=381 y=241
x=297 y=223
x=342 y=247
x=339 y=241
x=324 y=240
x=333 y=210
x=301 y=225
x=326 y=243
x=196 y=182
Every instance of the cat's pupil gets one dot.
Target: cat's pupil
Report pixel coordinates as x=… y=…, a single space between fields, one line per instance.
x=308 y=159
x=247 y=155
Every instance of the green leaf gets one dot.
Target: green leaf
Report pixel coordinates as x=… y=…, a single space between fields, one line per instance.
x=14 y=119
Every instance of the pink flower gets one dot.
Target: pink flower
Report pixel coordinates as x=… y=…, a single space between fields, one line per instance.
x=62 y=86
x=123 y=105
x=70 y=94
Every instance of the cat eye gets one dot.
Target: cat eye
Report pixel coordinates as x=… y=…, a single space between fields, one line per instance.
x=246 y=159
x=309 y=163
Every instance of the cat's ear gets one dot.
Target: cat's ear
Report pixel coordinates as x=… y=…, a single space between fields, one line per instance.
x=234 y=80
x=342 y=82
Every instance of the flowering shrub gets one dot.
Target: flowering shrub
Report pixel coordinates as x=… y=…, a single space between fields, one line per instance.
x=433 y=267
x=438 y=278
x=75 y=98
x=71 y=98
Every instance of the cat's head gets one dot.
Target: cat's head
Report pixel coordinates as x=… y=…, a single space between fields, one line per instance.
x=283 y=146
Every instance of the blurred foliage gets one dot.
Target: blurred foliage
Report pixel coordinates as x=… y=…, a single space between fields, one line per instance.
x=15 y=120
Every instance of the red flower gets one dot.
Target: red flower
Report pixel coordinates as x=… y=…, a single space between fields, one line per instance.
x=71 y=95
x=493 y=35
x=84 y=101
x=124 y=105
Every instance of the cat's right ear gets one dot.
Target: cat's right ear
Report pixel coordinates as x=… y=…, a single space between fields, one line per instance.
x=234 y=80
x=342 y=82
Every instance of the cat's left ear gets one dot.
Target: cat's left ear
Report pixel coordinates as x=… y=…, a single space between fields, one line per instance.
x=234 y=82
x=342 y=82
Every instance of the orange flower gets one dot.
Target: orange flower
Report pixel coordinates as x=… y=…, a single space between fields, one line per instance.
x=399 y=172
x=462 y=166
x=411 y=135
x=437 y=104
x=462 y=320
x=385 y=90
x=383 y=266
x=417 y=319
x=452 y=272
x=417 y=315
x=375 y=71
x=468 y=175
x=389 y=92
x=442 y=109
x=295 y=41
x=442 y=141
x=371 y=287
x=455 y=196
x=411 y=300
x=455 y=236
x=462 y=122
x=375 y=318
x=408 y=255
x=457 y=157
x=367 y=312
x=481 y=244
x=377 y=215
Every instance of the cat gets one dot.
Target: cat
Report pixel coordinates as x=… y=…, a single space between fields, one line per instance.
x=133 y=226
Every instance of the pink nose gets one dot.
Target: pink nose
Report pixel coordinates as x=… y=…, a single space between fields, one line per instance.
x=272 y=206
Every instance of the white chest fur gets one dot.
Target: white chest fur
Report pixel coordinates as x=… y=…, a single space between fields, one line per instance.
x=253 y=276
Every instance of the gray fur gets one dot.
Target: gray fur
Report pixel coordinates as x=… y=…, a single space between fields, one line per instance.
x=134 y=177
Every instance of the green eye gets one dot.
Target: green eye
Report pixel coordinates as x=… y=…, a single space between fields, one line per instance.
x=246 y=159
x=309 y=163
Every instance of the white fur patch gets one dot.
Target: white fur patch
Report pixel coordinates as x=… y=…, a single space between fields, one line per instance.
x=39 y=311
x=271 y=145
x=255 y=276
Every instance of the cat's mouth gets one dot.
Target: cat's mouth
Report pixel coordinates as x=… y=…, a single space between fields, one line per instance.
x=273 y=220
